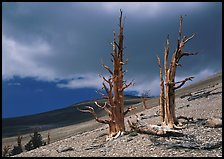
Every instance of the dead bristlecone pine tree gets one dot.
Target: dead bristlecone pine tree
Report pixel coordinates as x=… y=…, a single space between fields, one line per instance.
x=114 y=87
x=167 y=90
x=145 y=94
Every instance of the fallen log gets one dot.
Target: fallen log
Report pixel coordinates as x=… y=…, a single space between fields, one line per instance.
x=185 y=95
x=187 y=145
x=201 y=94
x=154 y=130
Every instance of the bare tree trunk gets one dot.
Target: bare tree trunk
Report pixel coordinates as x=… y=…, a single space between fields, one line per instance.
x=144 y=103
x=114 y=87
x=162 y=97
x=144 y=95
x=167 y=101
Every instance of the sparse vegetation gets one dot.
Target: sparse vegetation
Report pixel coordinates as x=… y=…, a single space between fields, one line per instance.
x=145 y=94
x=5 y=152
x=17 y=149
x=48 y=138
x=114 y=86
x=35 y=141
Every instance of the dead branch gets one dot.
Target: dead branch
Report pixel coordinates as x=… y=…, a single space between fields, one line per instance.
x=107 y=80
x=105 y=88
x=182 y=82
x=126 y=86
x=91 y=110
x=188 y=39
x=116 y=44
x=185 y=54
x=104 y=107
x=129 y=109
x=180 y=30
x=134 y=127
x=185 y=95
x=108 y=69
x=201 y=94
x=102 y=95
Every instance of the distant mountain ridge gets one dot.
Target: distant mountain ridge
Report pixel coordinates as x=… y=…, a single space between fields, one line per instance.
x=55 y=118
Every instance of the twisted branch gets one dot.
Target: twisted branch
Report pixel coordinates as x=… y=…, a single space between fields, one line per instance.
x=127 y=85
x=182 y=82
x=108 y=69
x=104 y=107
x=91 y=110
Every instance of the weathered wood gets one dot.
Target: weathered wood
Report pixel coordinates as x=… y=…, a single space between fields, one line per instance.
x=114 y=87
x=162 y=96
x=185 y=95
x=201 y=94
x=167 y=93
x=153 y=130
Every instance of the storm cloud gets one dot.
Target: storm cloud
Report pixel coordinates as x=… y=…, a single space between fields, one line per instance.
x=66 y=41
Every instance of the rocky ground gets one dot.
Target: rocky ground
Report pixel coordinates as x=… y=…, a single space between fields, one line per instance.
x=199 y=139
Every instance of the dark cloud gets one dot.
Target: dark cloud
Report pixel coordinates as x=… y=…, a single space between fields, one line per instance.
x=77 y=38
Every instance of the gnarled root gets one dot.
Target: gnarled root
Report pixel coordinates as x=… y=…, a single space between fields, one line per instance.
x=114 y=135
x=180 y=125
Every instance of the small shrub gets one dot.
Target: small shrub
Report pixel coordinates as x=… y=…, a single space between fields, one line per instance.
x=5 y=152
x=35 y=141
x=17 y=149
x=48 y=138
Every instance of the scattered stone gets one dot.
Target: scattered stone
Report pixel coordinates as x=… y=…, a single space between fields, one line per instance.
x=197 y=140
x=142 y=114
x=133 y=133
x=214 y=122
x=129 y=139
x=64 y=149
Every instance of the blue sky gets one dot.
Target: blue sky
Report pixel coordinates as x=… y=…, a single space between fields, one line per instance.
x=52 y=52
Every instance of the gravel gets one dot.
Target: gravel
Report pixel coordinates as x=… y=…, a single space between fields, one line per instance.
x=198 y=140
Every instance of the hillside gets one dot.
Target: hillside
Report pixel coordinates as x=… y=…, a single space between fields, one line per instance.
x=84 y=121
x=54 y=119
x=198 y=139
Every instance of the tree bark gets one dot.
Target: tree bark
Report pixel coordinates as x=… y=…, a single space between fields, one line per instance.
x=114 y=88
x=167 y=97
